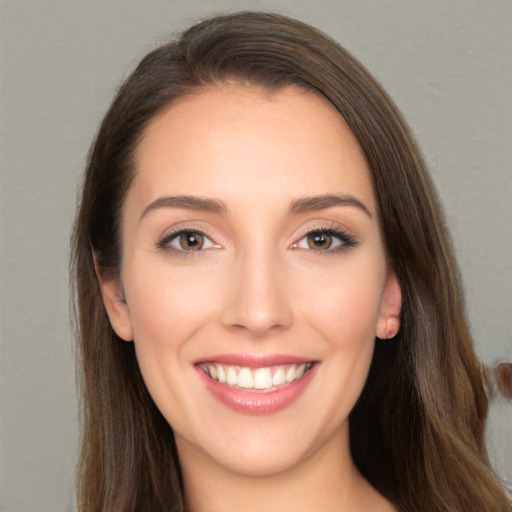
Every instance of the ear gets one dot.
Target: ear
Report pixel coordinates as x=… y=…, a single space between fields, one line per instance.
x=114 y=302
x=388 y=323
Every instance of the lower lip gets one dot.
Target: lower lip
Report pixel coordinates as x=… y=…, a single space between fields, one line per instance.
x=253 y=402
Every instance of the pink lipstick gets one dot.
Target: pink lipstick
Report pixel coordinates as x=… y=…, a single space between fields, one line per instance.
x=256 y=384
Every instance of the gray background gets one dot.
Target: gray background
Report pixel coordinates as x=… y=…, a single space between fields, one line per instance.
x=446 y=63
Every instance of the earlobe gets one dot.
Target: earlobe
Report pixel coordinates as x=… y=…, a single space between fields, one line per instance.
x=114 y=302
x=388 y=323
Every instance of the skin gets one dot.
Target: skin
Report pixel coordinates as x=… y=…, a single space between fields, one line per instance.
x=256 y=287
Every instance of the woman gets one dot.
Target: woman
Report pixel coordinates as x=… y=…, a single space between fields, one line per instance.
x=261 y=263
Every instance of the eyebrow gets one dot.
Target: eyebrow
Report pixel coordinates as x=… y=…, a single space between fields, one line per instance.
x=188 y=203
x=301 y=205
x=308 y=204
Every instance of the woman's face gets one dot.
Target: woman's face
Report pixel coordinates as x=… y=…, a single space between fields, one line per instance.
x=254 y=276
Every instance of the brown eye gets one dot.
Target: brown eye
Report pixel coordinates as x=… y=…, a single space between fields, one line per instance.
x=325 y=240
x=191 y=241
x=319 y=240
x=187 y=240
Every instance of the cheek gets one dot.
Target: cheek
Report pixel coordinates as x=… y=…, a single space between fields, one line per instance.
x=341 y=314
x=345 y=305
x=168 y=306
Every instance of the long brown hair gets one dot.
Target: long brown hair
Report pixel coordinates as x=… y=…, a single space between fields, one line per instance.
x=417 y=431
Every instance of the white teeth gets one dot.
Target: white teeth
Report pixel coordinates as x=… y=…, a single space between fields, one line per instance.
x=290 y=374
x=245 y=378
x=232 y=377
x=259 y=378
x=262 y=378
x=300 y=371
x=279 y=377
x=221 y=374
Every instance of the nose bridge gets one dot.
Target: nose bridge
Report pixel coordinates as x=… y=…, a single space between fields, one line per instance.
x=258 y=301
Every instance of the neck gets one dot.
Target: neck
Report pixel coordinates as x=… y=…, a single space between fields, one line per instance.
x=325 y=481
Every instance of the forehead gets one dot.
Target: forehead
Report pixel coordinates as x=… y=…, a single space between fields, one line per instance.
x=290 y=142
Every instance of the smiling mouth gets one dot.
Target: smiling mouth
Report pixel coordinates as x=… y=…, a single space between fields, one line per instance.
x=264 y=379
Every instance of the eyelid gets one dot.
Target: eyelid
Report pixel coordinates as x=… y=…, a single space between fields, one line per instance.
x=323 y=225
x=332 y=228
x=175 y=231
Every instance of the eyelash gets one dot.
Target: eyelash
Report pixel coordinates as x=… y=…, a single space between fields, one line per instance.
x=165 y=242
x=345 y=241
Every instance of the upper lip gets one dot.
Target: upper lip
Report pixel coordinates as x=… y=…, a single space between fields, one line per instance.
x=254 y=360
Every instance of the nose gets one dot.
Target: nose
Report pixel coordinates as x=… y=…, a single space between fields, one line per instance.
x=258 y=300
